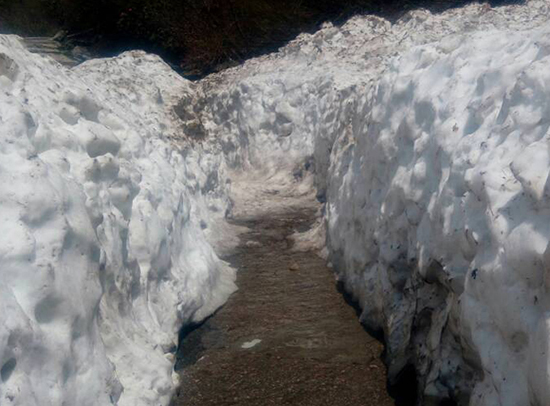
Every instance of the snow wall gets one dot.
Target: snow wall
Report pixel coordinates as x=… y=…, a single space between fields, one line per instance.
x=102 y=253
x=426 y=140
x=429 y=144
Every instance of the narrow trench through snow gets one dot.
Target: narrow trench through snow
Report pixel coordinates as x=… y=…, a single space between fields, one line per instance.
x=426 y=139
x=287 y=337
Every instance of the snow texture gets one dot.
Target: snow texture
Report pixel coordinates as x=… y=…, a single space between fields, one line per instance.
x=429 y=144
x=426 y=141
x=102 y=257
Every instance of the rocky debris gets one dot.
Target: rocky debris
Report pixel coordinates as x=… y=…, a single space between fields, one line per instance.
x=253 y=244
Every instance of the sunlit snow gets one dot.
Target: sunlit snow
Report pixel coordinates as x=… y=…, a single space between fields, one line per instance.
x=427 y=141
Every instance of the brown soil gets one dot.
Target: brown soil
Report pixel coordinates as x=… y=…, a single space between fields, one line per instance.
x=313 y=351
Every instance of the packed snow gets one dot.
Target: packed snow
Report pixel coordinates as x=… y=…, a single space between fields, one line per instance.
x=425 y=141
x=102 y=256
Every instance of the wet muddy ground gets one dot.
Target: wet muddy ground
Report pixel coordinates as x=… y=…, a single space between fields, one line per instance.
x=313 y=350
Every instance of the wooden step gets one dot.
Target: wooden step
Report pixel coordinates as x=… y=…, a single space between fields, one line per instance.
x=48 y=47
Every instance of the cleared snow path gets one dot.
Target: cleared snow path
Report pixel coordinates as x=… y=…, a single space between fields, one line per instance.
x=313 y=350
x=427 y=139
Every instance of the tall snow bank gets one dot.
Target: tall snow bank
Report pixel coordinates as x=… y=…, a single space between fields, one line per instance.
x=438 y=217
x=429 y=141
x=425 y=139
x=102 y=256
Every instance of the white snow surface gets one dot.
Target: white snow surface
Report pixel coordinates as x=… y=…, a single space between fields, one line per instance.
x=426 y=141
x=102 y=257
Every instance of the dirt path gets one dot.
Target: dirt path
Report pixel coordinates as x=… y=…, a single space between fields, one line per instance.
x=313 y=350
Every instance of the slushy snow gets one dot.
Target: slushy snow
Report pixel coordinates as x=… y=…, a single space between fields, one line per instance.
x=426 y=141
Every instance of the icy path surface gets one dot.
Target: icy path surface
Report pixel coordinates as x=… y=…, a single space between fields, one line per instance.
x=426 y=140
